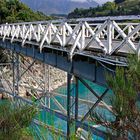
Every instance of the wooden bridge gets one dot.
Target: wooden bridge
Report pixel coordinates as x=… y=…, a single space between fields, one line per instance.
x=84 y=48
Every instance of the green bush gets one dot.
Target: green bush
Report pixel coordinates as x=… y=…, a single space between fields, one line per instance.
x=14 y=121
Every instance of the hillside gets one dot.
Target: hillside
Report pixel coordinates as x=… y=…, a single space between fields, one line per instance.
x=15 y=11
x=119 y=7
x=58 y=6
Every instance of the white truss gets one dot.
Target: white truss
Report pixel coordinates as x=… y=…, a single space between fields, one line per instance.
x=108 y=34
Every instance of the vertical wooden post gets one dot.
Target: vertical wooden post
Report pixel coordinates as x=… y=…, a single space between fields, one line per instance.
x=83 y=36
x=64 y=34
x=109 y=36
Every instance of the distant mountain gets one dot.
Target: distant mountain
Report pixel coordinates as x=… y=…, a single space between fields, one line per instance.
x=58 y=6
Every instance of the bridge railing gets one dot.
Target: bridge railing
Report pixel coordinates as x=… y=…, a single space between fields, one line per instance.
x=108 y=34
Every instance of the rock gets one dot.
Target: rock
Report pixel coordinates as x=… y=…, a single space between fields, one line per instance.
x=57 y=77
x=1 y=96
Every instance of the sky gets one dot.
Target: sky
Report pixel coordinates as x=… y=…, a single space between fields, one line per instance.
x=98 y=1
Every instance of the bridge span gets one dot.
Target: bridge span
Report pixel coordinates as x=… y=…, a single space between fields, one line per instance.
x=110 y=35
x=84 y=48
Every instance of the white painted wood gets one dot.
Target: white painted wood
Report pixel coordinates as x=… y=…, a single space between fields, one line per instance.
x=109 y=36
x=64 y=35
x=83 y=37
x=78 y=34
x=75 y=44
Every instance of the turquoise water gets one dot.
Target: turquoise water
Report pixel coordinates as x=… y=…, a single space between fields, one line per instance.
x=85 y=94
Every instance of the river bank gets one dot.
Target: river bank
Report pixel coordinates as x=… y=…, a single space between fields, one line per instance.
x=38 y=77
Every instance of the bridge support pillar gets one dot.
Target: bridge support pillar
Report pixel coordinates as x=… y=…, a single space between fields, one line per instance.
x=47 y=87
x=72 y=105
x=76 y=101
x=16 y=73
x=69 y=77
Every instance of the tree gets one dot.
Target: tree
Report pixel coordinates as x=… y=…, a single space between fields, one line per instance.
x=119 y=1
x=124 y=102
x=14 y=121
x=119 y=7
x=109 y=6
x=14 y=11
